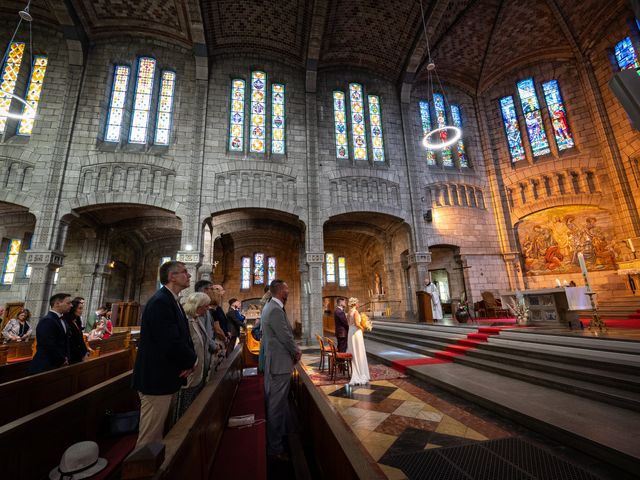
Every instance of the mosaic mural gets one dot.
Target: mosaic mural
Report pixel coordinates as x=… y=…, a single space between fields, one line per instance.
x=551 y=240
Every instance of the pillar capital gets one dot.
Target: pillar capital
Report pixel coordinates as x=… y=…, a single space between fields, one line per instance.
x=315 y=257
x=189 y=257
x=45 y=257
x=419 y=258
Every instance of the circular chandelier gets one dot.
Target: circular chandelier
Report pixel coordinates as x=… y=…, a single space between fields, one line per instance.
x=444 y=135
x=28 y=111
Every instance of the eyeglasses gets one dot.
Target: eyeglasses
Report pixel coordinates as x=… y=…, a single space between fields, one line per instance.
x=180 y=273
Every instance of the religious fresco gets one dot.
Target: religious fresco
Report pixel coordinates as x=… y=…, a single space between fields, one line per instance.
x=551 y=240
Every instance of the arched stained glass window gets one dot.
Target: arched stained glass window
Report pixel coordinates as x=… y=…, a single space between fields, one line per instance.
x=457 y=122
x=558 y=115
x=425 y=120
x=533 y=118
x=11 y=262
x=165 y=106
x=258 y=268
x=277 y=118
x=9 y=78
x=142 y=100
x=236 y=129
x=358 y=132
x=38 y=71
x=342 y=272
x=441 y=121
x=245 y=273
x=512 y=129
x=375 y=122
x=330 y=268
x=340 y=120
x=271 y=269
x=626 y=55
x=116 y=105
x=258 y=112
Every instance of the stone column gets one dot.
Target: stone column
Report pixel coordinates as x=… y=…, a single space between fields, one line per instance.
x=514 y=271
x=43 y=265
x=315 y=261
x=419 y=264
x=305 y=316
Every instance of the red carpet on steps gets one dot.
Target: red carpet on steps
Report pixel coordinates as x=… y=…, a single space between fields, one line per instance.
x=243 y=451
x=615 y=323
x=401 y=365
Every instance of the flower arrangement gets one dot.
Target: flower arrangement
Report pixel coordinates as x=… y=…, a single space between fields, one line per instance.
x=364 y=320
x=519 y=308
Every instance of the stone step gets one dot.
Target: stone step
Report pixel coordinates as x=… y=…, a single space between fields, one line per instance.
x=399 y=340
x=592 y=343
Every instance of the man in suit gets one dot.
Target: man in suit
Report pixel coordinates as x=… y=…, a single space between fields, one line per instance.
x=281 y=354
x=235 y=321
x=342 y=324
x=52 y=336
x=166 y=356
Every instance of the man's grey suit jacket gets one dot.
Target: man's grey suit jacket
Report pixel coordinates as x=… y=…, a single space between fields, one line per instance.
x=280 y=346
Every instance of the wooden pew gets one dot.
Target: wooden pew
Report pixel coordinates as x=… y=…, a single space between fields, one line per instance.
x=191 y=445
x=117 y=341
x=32 y=445
x=337 y=451
x=26 y=395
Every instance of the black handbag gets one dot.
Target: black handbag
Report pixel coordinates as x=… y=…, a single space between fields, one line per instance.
x=122 y=423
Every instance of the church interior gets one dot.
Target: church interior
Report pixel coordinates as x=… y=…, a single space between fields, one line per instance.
x=469 y=170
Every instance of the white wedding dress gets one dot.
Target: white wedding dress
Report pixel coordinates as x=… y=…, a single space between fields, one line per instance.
x=355 y=346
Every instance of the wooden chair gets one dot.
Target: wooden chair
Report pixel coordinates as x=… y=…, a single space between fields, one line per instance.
x=338 y=359
x=325 y=352
x=493 y=307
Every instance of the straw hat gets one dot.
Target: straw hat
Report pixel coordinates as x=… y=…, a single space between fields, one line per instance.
x=80 y=460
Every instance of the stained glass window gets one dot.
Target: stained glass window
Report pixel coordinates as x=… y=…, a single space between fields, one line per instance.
x=375 y=123
x=331 y=268
x=11 y=262
x=39 y=69
x=626 y=55
x=258 y=268
x=533 y=118
x=9 y=77
x=245 y=273
x=142 y=100
x=340 y=119
x=512 y=129
x=116 y=106
x=277 y=118
x=342 y=272
x=258 y=111
x=558 y=115
x=236 y=129
x=425 y=120
x=457 y=122
x=441 y=121
x=165 y=105
x=358 y=133
x=271 y=269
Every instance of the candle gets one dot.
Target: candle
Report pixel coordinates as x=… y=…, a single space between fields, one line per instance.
x=631 y=247
x=583 y=267
x=558 y=284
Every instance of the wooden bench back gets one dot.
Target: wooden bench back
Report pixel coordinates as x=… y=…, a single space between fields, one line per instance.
x=26 y=395
x=32 y=445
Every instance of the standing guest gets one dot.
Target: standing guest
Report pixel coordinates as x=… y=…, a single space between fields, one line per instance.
x=215 y=334
x=94 y=318
x=281 y=354
x=195 y=307
x=78 y=351
x=166 y=356
x=52 y=336
x=263 y=301
x=235 y=321
x=219 y=317
x=342 y=324
x=18 y=329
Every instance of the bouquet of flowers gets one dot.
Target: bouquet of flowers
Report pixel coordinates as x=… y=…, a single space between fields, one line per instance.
x=364 y=320
x=519 y=308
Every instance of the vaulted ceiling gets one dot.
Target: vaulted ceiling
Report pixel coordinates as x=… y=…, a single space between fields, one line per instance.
x=473 y=41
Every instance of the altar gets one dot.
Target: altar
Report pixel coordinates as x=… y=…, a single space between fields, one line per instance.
x=552 y=305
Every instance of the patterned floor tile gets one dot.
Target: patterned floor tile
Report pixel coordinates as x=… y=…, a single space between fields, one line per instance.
x=388 y=405
x=409 y=409
x=393 y=473
x=397 y=424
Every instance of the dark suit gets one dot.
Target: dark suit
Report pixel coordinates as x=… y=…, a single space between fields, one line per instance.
x=165 y=348
x=52 y=344
x=77 y=348
x=342 y=328
x=235 y=322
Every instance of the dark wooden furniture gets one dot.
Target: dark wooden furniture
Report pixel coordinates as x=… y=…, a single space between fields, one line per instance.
x=325 y=351
x=425 y=312
x=125 y=314
x=338 y=361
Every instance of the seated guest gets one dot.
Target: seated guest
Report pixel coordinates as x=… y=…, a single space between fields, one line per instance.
x=98 y=332
x=195 y=306
x=235 y=321
x=94 y=317
x=18 y=329
x=108 y=326
x=52 y=338
x=77 y=349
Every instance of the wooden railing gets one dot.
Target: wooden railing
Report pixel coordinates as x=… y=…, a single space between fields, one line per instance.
x=32 y=445
x=190 y=446
x=337 y=451
x=12 y=350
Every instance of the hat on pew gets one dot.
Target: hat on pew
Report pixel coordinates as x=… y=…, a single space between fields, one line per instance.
x=80 y=460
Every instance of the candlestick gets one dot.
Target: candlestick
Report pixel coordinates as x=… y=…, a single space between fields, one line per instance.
x=558 y=284
x=631 y=247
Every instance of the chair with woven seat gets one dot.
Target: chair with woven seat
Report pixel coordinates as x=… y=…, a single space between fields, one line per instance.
x=493 y=306
x=338 y=359
x=325 y=352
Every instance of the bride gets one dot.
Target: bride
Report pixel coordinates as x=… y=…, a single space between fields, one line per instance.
x=355 y=346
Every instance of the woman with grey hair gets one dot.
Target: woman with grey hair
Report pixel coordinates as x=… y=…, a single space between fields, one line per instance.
x=195 y=306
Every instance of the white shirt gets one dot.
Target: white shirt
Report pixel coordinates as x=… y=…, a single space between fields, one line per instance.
x=274 y=299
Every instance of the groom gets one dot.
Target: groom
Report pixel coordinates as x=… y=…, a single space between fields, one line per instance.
x=342 y=325
x=281 y=354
